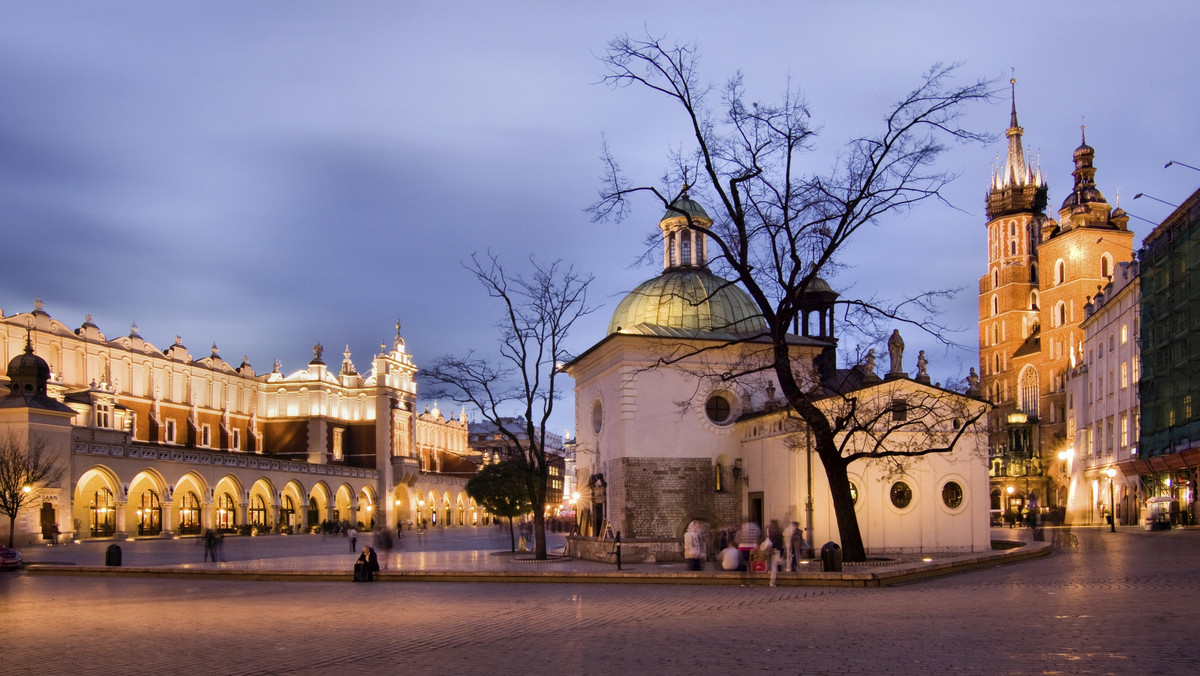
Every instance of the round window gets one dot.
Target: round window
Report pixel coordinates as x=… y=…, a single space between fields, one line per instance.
x=901 y=495
x=952 y=494
x=597 y=416
x=853 y=493
x=717 y=408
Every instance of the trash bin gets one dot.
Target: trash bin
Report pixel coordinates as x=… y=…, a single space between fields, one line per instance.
x=831 y=557
x=112 y=556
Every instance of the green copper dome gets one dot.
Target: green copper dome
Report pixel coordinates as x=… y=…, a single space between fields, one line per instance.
x=687 y=302
x=688 y=205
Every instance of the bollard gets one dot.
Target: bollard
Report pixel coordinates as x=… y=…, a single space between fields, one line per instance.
x=112 y=556
x=618 y=550
x=831 y=557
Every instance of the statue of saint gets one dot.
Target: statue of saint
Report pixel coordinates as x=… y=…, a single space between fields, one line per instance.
x=896 y=352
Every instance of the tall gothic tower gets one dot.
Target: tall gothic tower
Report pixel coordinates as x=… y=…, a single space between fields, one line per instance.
x=1040 y=275
x=1009 y=302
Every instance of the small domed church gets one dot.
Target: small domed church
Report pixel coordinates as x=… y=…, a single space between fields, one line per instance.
x=678 y=420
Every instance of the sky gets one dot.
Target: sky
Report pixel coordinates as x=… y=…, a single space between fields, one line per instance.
x=266 y=175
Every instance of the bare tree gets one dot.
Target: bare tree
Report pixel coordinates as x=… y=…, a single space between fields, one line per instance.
x=25 y=472
x=539 y=311
x=778 y=227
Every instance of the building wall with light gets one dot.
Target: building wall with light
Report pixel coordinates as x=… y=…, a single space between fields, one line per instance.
x=1103 y=411
x=1169 y=445
x=1041 y=274
x=161 y=443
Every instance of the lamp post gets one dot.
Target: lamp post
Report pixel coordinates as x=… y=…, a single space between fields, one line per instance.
x=1008 y=507
x=1142 y=194
x=1112 y=505
x=1182 y=164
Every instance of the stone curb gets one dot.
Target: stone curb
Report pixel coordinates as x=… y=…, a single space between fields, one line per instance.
x=882 y=576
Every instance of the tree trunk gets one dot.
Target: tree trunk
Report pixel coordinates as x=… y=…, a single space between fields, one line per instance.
x=12 y=528
x=831 y=458
x=539 y=529
x=843 y=504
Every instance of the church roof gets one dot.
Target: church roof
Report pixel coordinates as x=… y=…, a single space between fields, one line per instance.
x=688 y=205
x=687 y=302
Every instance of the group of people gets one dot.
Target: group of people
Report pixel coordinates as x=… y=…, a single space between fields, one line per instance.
x=741 y=548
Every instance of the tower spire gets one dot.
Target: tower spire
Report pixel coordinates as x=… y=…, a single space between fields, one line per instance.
x=1016 y=172
x=1012 y=83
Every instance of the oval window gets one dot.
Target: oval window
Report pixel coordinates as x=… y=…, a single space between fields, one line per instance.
x=853 y=493
x=901 y=495
x=597 y=416
x=718 y=409
x=952 y=494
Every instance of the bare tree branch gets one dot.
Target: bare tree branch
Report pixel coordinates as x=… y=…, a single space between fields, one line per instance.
x=516 y=392
x=779 y=227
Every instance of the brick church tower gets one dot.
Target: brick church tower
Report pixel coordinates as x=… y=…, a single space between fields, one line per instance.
x=1040 y=275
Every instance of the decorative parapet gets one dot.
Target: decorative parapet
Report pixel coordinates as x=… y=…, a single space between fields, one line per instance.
x=192 y=456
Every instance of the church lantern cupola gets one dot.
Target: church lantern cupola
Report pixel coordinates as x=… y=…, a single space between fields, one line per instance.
x=685 y=244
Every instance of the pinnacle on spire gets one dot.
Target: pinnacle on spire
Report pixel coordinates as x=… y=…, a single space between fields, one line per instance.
x=1013 y=85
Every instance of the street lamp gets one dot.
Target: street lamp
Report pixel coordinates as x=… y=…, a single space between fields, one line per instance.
x=1112 y=505
x=1142 y=194
x=1182 y=164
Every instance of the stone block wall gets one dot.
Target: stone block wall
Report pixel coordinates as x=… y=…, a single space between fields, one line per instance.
x=655 y=498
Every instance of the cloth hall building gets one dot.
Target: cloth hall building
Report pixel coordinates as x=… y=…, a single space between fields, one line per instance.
x=157 y=442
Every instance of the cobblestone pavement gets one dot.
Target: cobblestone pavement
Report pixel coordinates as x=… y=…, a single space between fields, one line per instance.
x=1122 y=603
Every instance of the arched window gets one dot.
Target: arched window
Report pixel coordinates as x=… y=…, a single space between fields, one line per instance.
x=671 y=260
x=1060 y=272
x=189 y=513
x=685 y=249
x=149 y=514
x=1029 y=391
x=103 y=514
x=1012 y=248
x=226 y=512
x=995 y=279
x=287 y=512
x=1106 y=266
x=1033 y=273
x=257 y=512
x=995 y=305
x=1060 y=313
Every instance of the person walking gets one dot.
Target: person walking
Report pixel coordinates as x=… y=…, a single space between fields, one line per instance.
x=693 y=546
x=353 y=535
x=383 y=540
x=775 y=558
x=210 y=546
x=796 y=546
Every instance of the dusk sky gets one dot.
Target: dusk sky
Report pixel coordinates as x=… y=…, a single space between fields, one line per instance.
x=266 y=175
